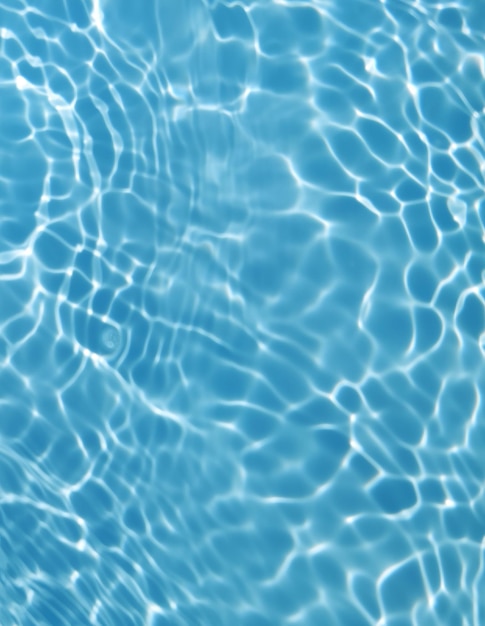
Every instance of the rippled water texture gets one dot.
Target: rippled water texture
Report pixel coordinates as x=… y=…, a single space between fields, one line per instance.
x=242 y=324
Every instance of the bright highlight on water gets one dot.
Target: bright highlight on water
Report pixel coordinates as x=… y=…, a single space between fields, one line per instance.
x=242 y=324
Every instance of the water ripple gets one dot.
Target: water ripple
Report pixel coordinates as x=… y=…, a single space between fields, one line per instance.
x=241 y=313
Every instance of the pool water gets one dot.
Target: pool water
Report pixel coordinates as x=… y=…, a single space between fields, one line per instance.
x=242 y=323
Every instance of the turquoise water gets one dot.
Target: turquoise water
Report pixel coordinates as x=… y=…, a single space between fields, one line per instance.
x=242 y=325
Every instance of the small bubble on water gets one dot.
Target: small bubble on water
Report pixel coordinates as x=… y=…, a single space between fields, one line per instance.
x=110 y=338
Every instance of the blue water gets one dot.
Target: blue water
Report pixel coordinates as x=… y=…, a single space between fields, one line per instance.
x=242 y=323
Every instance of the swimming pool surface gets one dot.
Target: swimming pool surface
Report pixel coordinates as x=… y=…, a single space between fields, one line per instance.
x=242 y=327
